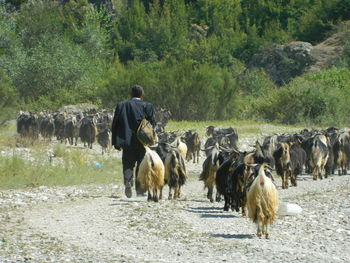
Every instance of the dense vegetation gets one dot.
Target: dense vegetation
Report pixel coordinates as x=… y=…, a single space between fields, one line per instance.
x=190 y=55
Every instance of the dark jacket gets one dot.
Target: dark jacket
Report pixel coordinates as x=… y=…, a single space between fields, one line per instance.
x=127 y=118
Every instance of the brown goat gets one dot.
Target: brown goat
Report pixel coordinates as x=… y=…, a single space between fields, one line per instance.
x=208 y=175
x=283 y=164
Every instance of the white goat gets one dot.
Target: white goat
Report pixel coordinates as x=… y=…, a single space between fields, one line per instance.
x=151 y=175
x=262 y=202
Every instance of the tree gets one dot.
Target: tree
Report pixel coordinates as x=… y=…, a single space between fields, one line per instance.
x=8 y=98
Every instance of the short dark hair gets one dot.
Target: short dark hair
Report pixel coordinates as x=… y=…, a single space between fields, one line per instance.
x=137 y=91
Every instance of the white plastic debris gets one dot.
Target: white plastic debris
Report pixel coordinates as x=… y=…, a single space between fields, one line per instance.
x=286 y=209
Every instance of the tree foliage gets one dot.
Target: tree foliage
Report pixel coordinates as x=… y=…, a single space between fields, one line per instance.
x=8 y=98
x=190 y=55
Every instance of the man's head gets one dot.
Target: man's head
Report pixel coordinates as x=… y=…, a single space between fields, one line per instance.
x=137 y=91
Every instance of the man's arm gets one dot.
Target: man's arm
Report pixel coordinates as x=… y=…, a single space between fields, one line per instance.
x=150 y=114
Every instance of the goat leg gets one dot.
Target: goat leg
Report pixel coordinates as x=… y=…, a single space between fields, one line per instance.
x=170 y=195
x=218 y=196
x=266 y=231
x=227 y=202
x=210 y=194
x=155 y=195
x=259 y=233
x=149 y=198
x=244 y=213
x=161 y=193
x=179 y=192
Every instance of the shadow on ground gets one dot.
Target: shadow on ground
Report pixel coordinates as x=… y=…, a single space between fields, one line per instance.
x=210 y=212
x=233 y=236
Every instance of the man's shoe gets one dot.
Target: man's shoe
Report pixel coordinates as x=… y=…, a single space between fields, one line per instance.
x=128 y=191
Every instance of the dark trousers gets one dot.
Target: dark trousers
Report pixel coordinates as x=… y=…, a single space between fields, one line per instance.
x=132 y=155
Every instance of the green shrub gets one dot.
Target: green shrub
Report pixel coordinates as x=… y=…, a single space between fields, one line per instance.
x=318 y=98
x=8 y=99
x=186 y=89
x=346 y=53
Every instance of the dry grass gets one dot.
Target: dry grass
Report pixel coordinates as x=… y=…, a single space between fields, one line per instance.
x=56 y=164
x=242 y=126
x=27 y=163
x=15 y=172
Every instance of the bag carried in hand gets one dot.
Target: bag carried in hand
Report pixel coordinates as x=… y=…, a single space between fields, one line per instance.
x=146 y=134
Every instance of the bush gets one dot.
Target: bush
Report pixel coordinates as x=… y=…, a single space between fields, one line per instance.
x=346 y=53
x=255 y=82
x=50 y=59
x=184 y=88
x=8 y=99
x=318 y=98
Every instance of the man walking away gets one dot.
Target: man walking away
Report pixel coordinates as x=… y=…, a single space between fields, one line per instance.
x=127 y=118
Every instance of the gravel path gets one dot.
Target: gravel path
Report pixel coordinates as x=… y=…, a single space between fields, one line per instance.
x=98 y=224
x=94 y=223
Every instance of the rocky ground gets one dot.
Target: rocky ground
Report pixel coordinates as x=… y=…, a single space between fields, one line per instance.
x=98 y=224
x=94 y=223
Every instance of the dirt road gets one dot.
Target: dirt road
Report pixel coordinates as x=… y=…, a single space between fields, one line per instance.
x=98 y=224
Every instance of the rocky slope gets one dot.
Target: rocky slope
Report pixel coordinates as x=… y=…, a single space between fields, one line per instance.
x=285 y=62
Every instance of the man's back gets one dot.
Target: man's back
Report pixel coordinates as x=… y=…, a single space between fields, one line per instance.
x=127 y=118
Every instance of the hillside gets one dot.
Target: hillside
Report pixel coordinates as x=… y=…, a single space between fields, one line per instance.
x=57 y=53
x=326 y=53
x=285 y=62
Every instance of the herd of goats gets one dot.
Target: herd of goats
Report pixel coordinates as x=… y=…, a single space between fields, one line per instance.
x=243 y=178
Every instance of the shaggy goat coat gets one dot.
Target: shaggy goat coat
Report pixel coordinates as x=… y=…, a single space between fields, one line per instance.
x=151 y=173
x=262 y=201
x=175 y=172
x=182 y=147
x=208 y=175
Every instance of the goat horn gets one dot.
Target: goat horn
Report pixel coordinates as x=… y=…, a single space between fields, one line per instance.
x=252 y=165
x=208 y=148
x=269 y=167
x=224 y=149
x=236 y=151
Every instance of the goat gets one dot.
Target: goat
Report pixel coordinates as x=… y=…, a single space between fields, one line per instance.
x=283 y=163
x=297 y=159
x=208 y=175
x=28 y=125
x=229 y=133
x=151 y=175
x=262 y=202
x=193 y=145
x=103 y=136
x=47 y=126
x=228 y=178
x=175 y=172
x=182 y=147
x=59 y=119
x=69 y=128
x=88 y=131
x=319 y=156
x=341 y=149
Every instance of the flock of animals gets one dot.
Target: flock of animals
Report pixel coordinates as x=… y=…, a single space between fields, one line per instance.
x=242 y=178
